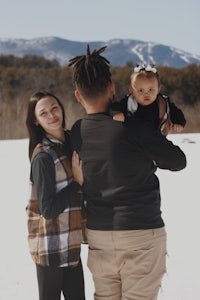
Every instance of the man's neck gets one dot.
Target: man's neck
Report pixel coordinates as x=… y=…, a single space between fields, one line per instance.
x=97 y=107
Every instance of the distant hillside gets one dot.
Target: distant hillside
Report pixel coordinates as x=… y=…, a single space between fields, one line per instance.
x=119 y=52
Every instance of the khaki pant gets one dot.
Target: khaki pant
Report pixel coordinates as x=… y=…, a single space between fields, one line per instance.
x=127 y=264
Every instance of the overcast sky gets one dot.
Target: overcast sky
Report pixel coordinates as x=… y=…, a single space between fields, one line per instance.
x=173 y=23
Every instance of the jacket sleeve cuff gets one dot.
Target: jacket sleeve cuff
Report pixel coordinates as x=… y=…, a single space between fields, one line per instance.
x=76 y=186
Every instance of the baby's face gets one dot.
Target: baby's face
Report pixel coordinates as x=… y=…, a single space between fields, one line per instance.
x=145 y=90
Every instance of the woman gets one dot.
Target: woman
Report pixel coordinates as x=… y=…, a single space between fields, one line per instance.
x=54 y=208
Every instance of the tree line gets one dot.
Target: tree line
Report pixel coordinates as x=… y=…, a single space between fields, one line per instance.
x=21 y=77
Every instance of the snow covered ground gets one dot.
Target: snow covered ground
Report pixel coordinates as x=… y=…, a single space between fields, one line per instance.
x=180 y=206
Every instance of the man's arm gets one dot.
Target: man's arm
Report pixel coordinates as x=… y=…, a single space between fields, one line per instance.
x=157 y=147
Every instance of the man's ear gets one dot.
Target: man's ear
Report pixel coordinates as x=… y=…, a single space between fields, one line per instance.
x=78 y=96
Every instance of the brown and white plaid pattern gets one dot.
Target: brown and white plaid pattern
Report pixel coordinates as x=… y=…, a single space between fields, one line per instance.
x=55 y=242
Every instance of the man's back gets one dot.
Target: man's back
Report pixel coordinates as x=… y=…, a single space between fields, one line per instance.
x=119 y=162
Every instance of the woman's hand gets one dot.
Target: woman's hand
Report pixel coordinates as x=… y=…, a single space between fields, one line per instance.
x=77 y=168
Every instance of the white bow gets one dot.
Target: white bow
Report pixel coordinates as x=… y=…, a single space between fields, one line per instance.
x=144 y=67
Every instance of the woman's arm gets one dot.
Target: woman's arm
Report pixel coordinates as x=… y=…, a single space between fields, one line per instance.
x=51 y=204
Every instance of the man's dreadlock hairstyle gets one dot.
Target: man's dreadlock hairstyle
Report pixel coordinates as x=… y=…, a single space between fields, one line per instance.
x=91 y=72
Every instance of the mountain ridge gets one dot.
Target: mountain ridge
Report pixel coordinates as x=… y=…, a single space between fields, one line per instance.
x=119 y=51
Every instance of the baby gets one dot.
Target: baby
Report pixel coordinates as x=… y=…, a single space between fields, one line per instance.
x=145 y=101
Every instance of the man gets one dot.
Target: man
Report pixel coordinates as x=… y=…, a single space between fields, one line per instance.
x=125 y=230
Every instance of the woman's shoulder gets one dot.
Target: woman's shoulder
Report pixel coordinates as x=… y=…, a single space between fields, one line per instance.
x=40 y=152
x=38 y=149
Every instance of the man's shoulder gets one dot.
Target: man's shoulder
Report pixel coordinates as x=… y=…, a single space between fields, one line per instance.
x=75 y=135
x=76 y=124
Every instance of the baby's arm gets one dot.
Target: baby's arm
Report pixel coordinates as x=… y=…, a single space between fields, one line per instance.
x=177 y=117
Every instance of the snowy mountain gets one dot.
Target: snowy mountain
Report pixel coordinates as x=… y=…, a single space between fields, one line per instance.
x=119 y=52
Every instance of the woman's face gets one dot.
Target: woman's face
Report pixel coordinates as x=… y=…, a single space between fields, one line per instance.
x=48 y=115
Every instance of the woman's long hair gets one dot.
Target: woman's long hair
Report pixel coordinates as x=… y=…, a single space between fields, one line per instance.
x=36 y=132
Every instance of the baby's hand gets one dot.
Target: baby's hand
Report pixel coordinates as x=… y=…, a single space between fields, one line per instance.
x=177 y=127
x=119 y=117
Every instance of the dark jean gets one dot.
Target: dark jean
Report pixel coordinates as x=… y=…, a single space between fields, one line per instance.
x=54 y=280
